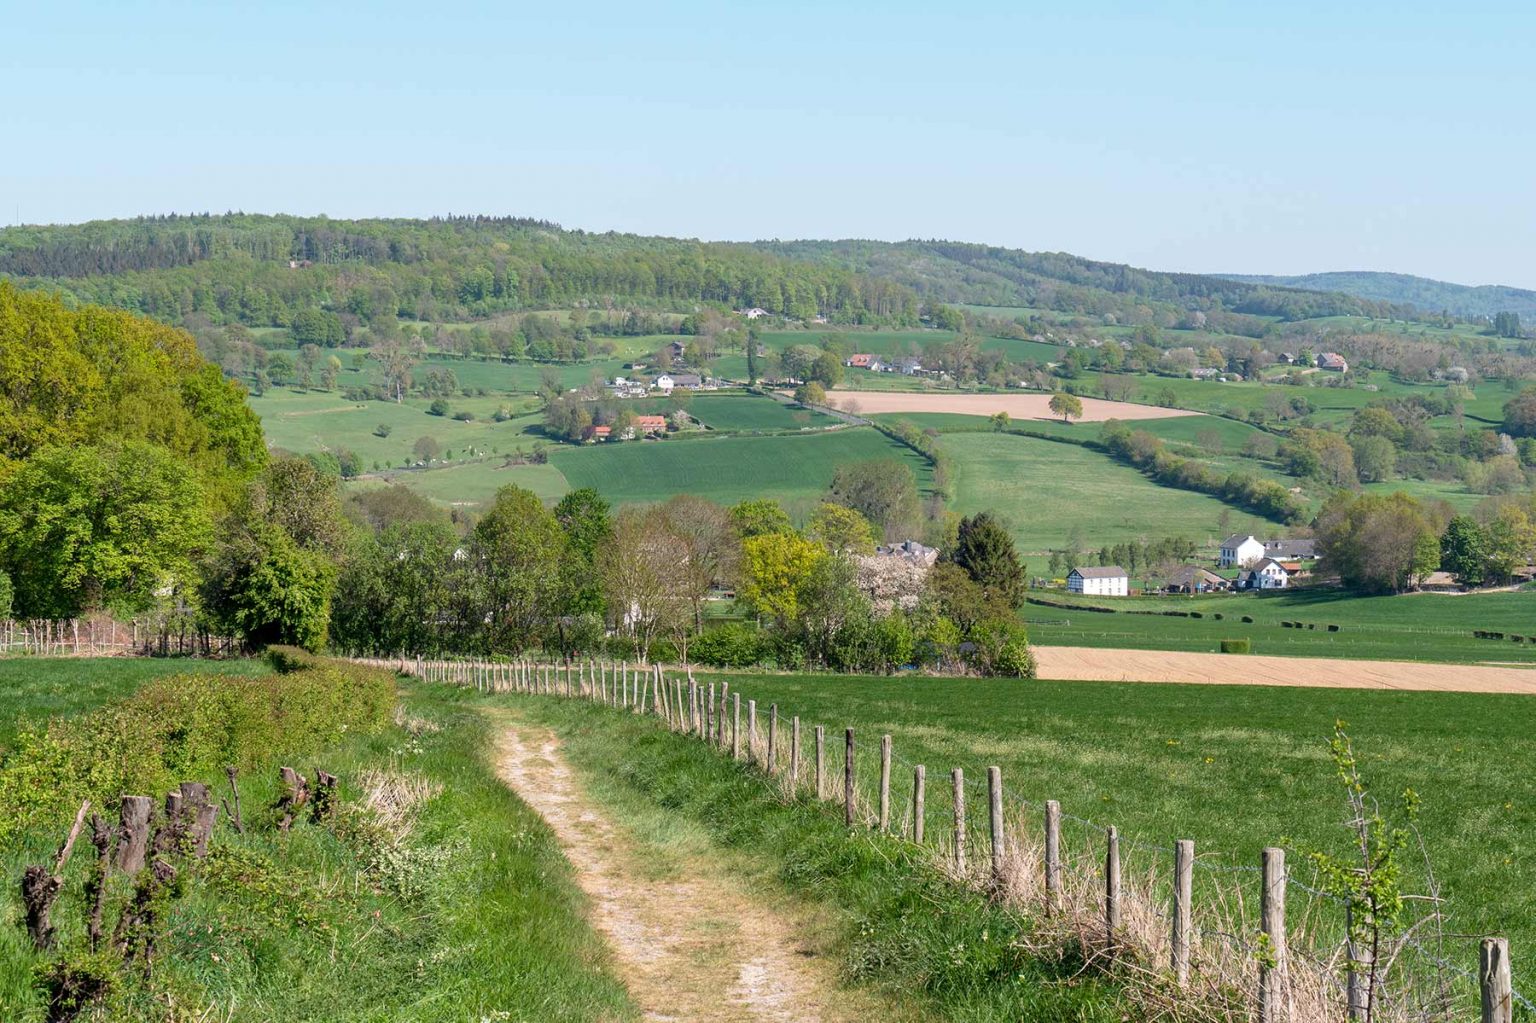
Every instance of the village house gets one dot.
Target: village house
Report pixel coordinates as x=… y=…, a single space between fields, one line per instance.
x=911 y=550
x=907 y=366
x=1333 y=362
x=1108 y=581
x=664 y=383
x=1193 y=579
x=1240 y=551
x=754 y=313
x=864 y=360
x=687 y=381
x=1291 y=550
x=651 y=424
x=1265 y=574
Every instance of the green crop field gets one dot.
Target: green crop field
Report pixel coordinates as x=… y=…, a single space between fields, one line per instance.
x=748 y=413
x=1422 y=627
x=1234 y=768
x=1047 y=492
x=473 y=484
x=793 y=469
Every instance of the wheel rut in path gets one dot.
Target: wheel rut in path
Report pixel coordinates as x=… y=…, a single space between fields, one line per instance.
x=688 y=941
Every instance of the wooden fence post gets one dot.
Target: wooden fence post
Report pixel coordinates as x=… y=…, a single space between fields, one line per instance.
x=919 y=799
x=751 y=731
x=773 y=739
x=794 y=753
x=1052 y=854
x=957 y=777
x=735 y=726
x=725 y=692
x=709 y=716
x=885 y=783
x=995 y=818
x=134 y=840
x=821 y=762
x=1111 y=886
x=1183 y=890
x=850 y=785
x=1493 y=977
x=1274 y=998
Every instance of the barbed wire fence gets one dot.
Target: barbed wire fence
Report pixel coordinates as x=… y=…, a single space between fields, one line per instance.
x=1193 y=936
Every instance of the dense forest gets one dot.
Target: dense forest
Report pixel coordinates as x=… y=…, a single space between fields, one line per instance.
x=265 y=270
x=1483 y=302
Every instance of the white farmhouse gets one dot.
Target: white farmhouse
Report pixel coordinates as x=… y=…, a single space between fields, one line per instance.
x=664 y=382
x=1266 y=574
x=1109 y=581
x=1240 y=551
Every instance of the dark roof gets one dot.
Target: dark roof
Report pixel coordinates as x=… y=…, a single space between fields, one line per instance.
x=1291 y=548
x=1236 y=539
x=1188 y=573
x=1106 y=572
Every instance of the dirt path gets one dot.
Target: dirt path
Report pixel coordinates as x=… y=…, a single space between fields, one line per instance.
x=1018 y=405
x=689 y=943
x=1095 y=664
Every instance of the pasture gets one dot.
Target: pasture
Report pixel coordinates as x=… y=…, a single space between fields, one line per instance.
x=1051 y=494
x=1018 y=404
x=1419 y=627
x=1234 y=768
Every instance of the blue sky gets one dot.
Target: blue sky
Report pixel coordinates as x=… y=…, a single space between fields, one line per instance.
x=1243 y=137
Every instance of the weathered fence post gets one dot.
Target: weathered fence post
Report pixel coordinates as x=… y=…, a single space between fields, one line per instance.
x=849 y=785
x=1357 y=957
x=773 y=739
x=1111 y=886
x=885 y=783
x=725 y=692
x=995 y=819
x=1494 y=978
x=709 y=716
x=134 y=842
x=735 y=726
x=1052 y=855
x=957 y=778
x=751 y=731
x=794 y=753
x=1274 y=996
x=821 y=762
x=1183 y=890
x=919 y=798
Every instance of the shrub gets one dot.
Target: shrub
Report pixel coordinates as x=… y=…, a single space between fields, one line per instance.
x=1236 y=646
x=185 y=727
x=1248 y=620
x=1002 y=648
x=732 y=645
x=439 y=407
x=464 y=416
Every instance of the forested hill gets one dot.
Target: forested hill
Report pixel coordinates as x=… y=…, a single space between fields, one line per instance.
x=263 y=270
x=960 y=272
x=1428 y=295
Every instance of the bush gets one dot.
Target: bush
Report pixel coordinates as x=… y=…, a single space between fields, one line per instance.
x=464 y=416
x=1002 y=648
x=439 y=407
x=185 y=727
x=1248 y=620
x=732 y=645
x=1236 y=646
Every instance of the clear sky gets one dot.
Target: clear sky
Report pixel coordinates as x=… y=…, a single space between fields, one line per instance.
x=1241 y=136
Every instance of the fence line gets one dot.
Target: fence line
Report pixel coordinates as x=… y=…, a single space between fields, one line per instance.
x=1286 y=972
x=156 y=635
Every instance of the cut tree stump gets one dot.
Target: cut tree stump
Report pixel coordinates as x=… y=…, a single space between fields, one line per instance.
x=133 y=833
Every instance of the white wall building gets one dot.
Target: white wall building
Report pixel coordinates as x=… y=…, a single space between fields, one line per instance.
x=1240 y=551
x=1266 y=574
x=1109 y=581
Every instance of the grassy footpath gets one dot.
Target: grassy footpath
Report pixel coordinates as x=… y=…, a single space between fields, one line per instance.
x=1235 y=768
x=450 y=902
x=36 y=688
x=880 y=901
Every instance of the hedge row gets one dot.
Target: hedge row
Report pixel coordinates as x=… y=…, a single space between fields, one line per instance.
x=185 y=727
x=1484 y=634
x=1306 y=625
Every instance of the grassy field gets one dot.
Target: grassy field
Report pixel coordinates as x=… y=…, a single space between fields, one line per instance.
x=751 y=413
x=1047 y=493
x=1233 y=768
x=33 y=689
x=474 y=484
x=793 y=469
x=468 y=912
x=1415 y=627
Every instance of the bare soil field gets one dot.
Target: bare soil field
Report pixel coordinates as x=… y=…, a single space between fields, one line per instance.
x=1018 y=406
x=1095 y=664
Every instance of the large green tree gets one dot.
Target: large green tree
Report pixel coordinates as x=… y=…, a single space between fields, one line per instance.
x=1464 y=550
x=587 y=523
x=883 y=490
x=985 y=550
x=114 y=527
x=518 y=549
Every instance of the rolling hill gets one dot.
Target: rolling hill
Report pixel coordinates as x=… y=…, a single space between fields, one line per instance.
x=1404 y=289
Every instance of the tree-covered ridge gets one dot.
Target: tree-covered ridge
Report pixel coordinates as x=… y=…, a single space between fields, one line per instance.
x=74 y=377
x=961 y=272
x=1424 y=293
x=263 y=270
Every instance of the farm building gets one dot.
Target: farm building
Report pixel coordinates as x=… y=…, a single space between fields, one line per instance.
x=664 y=382
x=1240 y=551
x=1266 y=574
x=1291 y=550
x=1333 y=362
x=1108 y=581
x=1193 y=579
x=755 y=313
x=864 y=360
x=910 y=550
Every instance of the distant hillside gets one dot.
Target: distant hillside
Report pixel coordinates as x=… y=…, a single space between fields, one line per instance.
x=1428 y=295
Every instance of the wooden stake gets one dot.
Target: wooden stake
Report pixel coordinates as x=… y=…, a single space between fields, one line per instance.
x=1493 y=977
x=735 y=726
x=1111 y=887
x=885 y=783
x=995 y=819
x=751 y=731
x=1183 y=890
x=919 y=798
x=957 y=778
x=1274 y=1000
x=794 y=753
x=821 y=762
x=773 y=739
x=849 y=787
x=1052 y=854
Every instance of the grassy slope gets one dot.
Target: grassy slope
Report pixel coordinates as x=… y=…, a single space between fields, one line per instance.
x=479 y=918
x=1234 y=768
x=1046 y=492
x=36 y=688
x=1424 y=627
